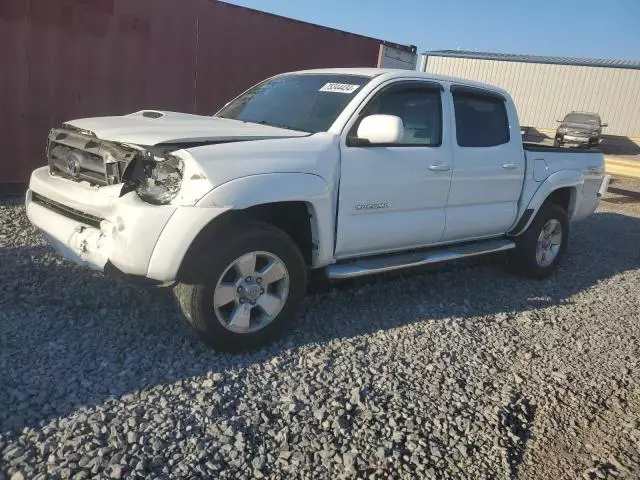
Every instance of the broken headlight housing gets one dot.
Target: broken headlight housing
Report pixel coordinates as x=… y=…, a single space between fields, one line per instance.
x=158 y=180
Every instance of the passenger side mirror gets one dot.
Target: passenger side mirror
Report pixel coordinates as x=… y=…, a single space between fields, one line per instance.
x=559 y=121
x=380 y=129
x=604 y=124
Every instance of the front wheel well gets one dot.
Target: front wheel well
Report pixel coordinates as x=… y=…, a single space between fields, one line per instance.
x=296 y=219
x=293 y=218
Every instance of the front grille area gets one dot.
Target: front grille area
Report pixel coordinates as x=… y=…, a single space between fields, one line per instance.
x=80 y=157
x=578 y=133
x=65 y=211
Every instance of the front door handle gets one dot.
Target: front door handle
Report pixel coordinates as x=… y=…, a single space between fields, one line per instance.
x=510 y=166
x=438 y=167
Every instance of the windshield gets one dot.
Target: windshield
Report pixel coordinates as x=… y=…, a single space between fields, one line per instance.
x=305 y=102
x=582 y=118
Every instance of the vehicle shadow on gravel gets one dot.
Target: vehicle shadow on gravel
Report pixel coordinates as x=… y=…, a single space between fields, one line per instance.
x=71 y=337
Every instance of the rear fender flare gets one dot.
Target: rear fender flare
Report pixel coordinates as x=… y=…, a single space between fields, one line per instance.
x=566 y=178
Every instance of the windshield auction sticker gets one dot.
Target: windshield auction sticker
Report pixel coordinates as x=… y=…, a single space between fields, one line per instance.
x=339 y=87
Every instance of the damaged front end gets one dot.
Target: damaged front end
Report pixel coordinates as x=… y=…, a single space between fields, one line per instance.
x=105 y=204
x=80 y=156
x=156 y=179
x=155 y=173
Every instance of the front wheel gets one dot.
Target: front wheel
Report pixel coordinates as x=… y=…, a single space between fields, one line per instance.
x=541 y=247
x=255 y=281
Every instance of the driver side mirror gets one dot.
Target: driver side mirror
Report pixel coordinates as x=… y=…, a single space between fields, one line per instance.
x=379 y=129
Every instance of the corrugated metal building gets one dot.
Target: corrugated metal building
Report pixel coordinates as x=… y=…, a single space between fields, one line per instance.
x=546 y=88
x=65 y=59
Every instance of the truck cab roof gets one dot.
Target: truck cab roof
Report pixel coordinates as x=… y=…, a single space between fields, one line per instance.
x=391 y=73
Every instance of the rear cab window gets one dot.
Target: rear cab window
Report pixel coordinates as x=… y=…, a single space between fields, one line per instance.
x=481 y=117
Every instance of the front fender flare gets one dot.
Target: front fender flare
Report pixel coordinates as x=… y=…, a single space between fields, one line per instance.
x=245 y=192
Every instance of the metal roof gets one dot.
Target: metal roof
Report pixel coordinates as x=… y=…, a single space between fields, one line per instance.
x=512 y=57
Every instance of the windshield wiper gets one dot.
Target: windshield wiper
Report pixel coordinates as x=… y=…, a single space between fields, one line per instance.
x=279 y=125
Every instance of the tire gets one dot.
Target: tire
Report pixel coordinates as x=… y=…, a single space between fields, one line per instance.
x=532 y=257
x=241 y=317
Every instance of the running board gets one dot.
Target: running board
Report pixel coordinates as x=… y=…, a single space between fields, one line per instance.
x=361 y=267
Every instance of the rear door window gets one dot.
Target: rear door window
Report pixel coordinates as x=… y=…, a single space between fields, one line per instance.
x=481 y=119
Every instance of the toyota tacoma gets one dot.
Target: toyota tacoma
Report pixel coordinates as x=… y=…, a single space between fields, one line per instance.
x=342 y=172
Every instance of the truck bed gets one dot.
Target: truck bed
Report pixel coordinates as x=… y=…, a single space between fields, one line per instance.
x=544 y=162
x=537 y=147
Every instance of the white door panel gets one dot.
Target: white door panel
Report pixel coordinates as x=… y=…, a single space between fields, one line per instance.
x=479 y=175
x=402 y=230
x=487 y=180
x=390 y=199
x=393 y=197
x=470 y=221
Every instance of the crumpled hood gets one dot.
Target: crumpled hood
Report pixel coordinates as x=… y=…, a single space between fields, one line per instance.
x=151 y=127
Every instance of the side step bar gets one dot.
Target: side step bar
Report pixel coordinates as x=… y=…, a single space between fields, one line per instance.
x=387 y=263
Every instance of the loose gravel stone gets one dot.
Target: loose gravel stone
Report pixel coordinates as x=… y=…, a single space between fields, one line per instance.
x=462 y=372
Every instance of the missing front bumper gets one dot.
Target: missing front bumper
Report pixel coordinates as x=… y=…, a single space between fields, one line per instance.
x=78 y=242
x=110 y=270
x=123 y=231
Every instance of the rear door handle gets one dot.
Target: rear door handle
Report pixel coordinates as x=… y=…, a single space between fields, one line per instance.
x=510 y=166
x=438 y=167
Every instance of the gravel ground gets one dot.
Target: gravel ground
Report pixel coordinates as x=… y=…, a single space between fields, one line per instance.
x=469 y=372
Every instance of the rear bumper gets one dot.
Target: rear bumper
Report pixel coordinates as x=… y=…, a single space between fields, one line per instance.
x=120 y=236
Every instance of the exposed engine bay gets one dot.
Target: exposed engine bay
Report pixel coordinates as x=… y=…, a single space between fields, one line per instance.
x=80 y=156
x=153 y=172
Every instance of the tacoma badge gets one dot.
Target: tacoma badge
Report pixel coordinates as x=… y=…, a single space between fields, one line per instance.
x=372 y=206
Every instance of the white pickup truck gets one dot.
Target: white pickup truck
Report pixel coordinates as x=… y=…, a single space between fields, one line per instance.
x=347 y=172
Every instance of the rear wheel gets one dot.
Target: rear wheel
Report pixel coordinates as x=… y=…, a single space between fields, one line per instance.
x=541 y=247
x=253 y=281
